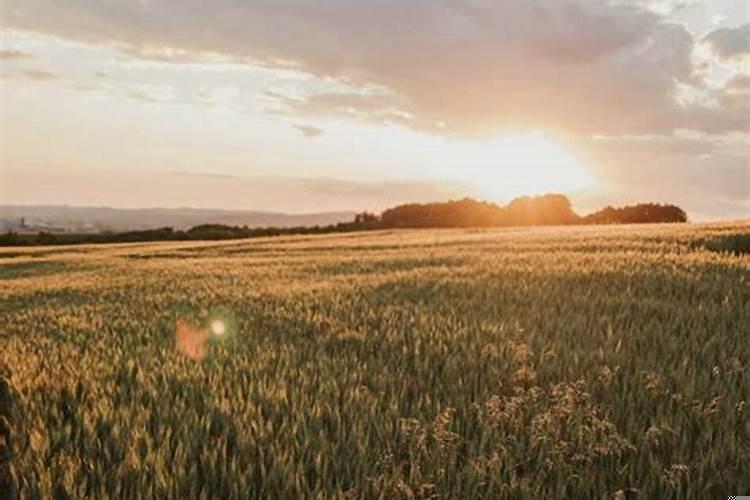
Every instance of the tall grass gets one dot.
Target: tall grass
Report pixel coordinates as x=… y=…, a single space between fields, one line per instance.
x=544 y=363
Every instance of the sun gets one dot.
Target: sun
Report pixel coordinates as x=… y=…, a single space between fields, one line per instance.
x=524 y=164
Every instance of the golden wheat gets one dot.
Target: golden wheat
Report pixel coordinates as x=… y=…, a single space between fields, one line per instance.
x=522 y=363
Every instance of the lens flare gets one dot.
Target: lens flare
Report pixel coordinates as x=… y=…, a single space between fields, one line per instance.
x=218 y=327
x=196 y=331
x=191 y=341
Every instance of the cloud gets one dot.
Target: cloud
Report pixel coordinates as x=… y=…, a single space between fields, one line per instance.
x=730 y=43
x=205 y=175
x=708 y=175
x=466 y=67
x=718 y=19
x=13 y=54
x=150 y=93
x=380 y=108
x=309 y=131
x=735 y=94
x=681 y=144
x=739 y=82
x=660 y=6
x=38 y=75
x=144 y=93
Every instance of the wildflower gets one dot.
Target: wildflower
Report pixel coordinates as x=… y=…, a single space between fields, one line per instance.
x=675 y=475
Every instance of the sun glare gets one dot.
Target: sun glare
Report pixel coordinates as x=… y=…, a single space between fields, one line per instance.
x=218 y=327
x=525 y=164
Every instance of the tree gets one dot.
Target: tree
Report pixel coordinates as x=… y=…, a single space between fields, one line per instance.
x=637 y=214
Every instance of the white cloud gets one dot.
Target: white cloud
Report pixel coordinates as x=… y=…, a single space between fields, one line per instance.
x=35 y=75
x=13 y=54
x=474 y=66
x=309 y=131
x=660 y=6
x=718 y=19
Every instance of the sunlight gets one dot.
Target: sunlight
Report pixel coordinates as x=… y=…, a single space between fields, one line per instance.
x=525 y=164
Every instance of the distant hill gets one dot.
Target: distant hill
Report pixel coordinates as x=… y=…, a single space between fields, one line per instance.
x=56 y=218
x=72 y=225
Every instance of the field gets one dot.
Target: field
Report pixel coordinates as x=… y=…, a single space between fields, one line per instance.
x=590 y=362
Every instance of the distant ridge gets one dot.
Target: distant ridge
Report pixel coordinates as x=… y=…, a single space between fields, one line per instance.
x=546 y=210
x=95 y=219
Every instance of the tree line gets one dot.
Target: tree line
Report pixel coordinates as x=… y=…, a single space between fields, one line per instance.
x=546 y=210
x=645 y=213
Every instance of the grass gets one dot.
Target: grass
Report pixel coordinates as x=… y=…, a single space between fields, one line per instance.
x=598 y=362
x=738 y=243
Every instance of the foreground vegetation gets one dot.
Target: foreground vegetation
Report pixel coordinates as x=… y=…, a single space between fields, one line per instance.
x=579 y=362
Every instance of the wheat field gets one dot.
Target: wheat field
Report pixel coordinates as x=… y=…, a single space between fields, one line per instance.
x=578 y=362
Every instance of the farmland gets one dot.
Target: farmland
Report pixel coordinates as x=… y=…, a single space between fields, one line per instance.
x=579 y=362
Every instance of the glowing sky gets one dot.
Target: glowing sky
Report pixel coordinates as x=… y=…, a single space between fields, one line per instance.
x=310 y=105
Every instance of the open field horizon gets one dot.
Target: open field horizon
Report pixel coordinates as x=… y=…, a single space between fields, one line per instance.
x=408 y=250
x=548 y=362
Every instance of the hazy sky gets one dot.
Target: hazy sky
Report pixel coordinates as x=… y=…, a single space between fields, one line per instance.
x=313 y=105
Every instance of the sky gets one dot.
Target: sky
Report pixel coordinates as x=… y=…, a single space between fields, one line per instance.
x=311 y=105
